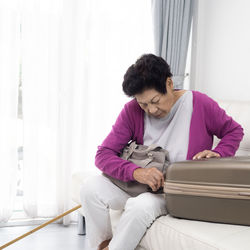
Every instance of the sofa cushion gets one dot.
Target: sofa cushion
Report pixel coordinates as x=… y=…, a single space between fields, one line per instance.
x=172 y=233
x=240 y=112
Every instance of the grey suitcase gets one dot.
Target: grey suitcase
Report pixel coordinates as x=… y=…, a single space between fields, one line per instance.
x=216 y=190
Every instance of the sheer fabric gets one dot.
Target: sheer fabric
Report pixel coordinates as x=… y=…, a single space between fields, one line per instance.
x=74 y=55
x=9 y=80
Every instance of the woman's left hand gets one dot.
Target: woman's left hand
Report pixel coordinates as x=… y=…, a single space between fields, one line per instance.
x=206 y=154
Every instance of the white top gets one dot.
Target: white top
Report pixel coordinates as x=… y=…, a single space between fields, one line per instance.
x=172 y=131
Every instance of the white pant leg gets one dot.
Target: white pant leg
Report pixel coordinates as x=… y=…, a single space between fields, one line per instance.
x=98 y=194
x=140 y=212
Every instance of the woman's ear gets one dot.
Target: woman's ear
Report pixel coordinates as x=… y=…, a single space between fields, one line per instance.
x=169 y=83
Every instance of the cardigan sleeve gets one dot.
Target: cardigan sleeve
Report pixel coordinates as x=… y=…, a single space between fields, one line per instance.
x=107 y=157
x=225 y=128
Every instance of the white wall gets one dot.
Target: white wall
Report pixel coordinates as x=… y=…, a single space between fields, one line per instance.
x=220 y=64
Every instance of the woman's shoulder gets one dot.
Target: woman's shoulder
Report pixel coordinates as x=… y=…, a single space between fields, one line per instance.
x=133 y=106
x=131 y=112
x=199 y=95
x=200 y=98
x=202 y=103
x=131 y=115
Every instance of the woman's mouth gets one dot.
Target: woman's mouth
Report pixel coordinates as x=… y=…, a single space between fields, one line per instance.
x=157 y=115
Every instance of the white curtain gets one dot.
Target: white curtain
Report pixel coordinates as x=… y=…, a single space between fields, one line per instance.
x=74 y=55
x=9 y=74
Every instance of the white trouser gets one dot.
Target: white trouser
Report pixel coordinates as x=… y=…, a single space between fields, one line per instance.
x=98 y=194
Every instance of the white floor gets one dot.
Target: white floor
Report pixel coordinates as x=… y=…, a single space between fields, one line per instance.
x=51 y=237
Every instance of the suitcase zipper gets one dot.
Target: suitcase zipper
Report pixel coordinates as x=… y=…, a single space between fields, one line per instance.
x=207 y=190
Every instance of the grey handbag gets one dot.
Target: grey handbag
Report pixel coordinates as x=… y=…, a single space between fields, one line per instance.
x=145 y=157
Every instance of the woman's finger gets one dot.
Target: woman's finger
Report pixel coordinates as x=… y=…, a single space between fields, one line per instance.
x=153 y=186
x=200 y=155
x=206 y=154
x=212 y=155
x=157 y=182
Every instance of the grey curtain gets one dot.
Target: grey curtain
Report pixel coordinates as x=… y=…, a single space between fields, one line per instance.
x=172 y=24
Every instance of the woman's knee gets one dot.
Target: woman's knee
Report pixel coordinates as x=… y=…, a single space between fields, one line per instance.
x=146 y=206
x=97 y=187
x=89 y=187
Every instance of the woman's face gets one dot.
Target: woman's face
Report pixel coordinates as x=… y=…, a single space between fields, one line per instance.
x=156 y=104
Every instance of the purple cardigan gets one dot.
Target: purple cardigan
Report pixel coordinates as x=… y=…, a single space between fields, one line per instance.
x=208 y=119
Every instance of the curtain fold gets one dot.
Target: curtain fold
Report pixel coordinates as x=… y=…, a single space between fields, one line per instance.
x=74 y=56
x=49 y=83
x=9 y=80
x=172 y=24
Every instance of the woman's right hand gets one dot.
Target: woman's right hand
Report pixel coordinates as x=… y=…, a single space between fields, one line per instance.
x=150 y=176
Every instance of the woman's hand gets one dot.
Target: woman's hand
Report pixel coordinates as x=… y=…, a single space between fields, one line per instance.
x=150 y=176
x=206 y=154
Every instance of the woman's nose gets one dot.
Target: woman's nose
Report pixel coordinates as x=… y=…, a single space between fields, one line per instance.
x=152 y=109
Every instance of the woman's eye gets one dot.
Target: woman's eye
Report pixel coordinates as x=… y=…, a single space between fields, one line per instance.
x=155 y=102
x=143 y=105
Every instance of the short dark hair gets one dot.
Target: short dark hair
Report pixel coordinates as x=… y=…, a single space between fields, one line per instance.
x=148 y=72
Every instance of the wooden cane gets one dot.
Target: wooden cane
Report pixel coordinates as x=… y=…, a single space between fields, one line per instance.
x=39 y=227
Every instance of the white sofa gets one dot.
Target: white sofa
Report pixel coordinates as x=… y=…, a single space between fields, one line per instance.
x=168 y=233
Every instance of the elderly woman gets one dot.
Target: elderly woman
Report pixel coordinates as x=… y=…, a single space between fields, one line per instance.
x=181 y=121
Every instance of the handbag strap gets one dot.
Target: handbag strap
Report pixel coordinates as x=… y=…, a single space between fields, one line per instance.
x=132 y=147
x=152 y=147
